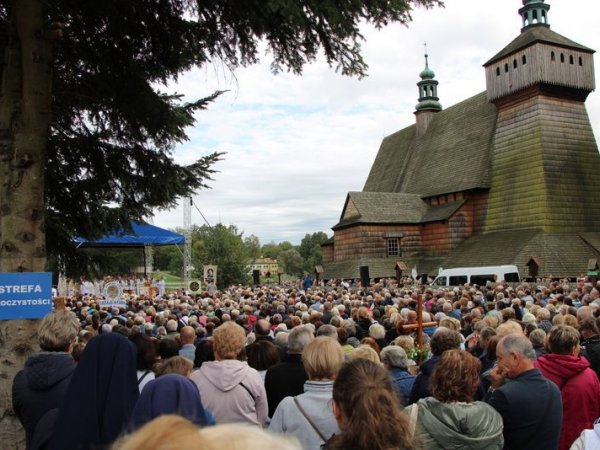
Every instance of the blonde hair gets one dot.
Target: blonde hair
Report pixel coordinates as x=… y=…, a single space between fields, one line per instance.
x=58 y=330
x=168 y=432
x=175 y=364
x=451 y=323
x=509 y=327
x=244 y=437
x=322 y=358
x=229 y=340
x=364 y=351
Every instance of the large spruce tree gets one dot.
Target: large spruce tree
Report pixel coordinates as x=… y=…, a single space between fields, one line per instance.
x=85 y=133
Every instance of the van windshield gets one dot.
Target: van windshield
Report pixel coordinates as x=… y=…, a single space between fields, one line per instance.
x=440 y=281
x=512 y=277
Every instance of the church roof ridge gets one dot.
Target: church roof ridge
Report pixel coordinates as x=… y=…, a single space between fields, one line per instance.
x=533 y=35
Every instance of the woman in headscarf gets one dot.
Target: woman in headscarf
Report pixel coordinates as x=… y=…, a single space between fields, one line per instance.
x=169 y=394
x=100 y=397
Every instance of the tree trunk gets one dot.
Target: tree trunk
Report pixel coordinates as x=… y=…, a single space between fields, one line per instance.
x=25 y=104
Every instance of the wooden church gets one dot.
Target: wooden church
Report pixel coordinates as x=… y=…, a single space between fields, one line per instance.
x=505 y=177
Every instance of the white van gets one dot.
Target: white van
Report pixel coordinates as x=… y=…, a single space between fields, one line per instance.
x=476 y=275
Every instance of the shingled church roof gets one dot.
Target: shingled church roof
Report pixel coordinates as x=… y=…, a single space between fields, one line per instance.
x=453 y=156
x=561 y=254
x=533 y=35
x=392 y=208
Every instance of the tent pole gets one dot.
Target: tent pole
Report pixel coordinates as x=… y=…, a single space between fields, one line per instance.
x=145 y=267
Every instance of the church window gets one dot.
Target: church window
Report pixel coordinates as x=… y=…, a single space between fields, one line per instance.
x=514 y=63
x=497 y=71
x=571 y=61
x=580 y=61
x=544 y=18
x=562 y=57
x=524 y=59
x=506 y=67
x=393 y=247
x=552 y=56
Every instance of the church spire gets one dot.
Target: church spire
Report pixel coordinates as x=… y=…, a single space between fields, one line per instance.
x=534 y=13
x=428 y=99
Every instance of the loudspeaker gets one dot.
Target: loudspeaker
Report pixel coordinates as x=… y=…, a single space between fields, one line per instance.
x=256 y=276
x=365 y=280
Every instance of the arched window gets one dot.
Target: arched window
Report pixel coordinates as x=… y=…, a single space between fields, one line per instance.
x=535 y=17
x=514 y=63
x=562 y=57
x=506 y=67
x=524 y=59
x=497 y=71
x=580 y=61
x=571 y=61
x=552 y=57
x=544 y=19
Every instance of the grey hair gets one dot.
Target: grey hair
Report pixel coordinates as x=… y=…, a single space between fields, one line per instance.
x=517 y=343
x=377 y=331
x=299 y=337
x=537 y=337
x=327 y=330
x=394 y=356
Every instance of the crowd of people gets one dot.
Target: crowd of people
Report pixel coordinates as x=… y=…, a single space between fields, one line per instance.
x=332 y=367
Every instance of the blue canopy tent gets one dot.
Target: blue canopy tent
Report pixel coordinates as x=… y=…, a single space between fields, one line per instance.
x=141 y=235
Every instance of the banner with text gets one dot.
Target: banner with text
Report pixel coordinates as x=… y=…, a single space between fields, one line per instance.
x=25 y=295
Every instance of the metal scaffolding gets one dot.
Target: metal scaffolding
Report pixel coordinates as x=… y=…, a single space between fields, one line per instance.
x=187 y=248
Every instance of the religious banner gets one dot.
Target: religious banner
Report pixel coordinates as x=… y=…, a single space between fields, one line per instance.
x=113 y=295
x=210 y=274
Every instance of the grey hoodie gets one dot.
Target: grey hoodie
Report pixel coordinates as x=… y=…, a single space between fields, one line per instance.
x=233 y=391
x=454 y=426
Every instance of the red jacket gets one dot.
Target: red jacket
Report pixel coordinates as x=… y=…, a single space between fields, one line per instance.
x=580 y=392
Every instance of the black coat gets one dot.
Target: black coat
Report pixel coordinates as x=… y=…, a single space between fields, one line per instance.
x=531 y=409
x=422 y=386
x=283 y=380
x=591 y=350
x=40 y=387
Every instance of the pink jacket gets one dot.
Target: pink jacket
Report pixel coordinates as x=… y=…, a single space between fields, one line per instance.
x=233 y=391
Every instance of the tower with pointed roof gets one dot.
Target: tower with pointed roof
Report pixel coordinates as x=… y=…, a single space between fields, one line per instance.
x=539 y=83
x=428 y=99
x=508 y=176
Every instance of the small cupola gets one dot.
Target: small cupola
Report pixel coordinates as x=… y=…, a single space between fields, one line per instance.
x=534 y=13
x=428 y=98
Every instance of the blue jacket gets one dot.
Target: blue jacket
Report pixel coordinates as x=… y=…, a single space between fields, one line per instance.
x=402 y=382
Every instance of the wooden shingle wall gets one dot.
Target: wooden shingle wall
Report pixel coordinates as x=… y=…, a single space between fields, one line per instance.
x=545 y=166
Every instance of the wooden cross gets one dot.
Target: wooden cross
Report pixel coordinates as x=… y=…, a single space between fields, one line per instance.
x=419 y=326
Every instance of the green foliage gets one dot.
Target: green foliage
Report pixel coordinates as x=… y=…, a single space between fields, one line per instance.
x=223 y=246
x=310 y=250
x=252 y=244
x=112 y=134
x=291 y=262
x=272 y=250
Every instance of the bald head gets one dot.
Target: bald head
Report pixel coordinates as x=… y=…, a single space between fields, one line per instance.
x=187 y=335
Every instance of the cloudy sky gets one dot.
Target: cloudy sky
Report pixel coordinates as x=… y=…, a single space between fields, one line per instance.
x=297 y=144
